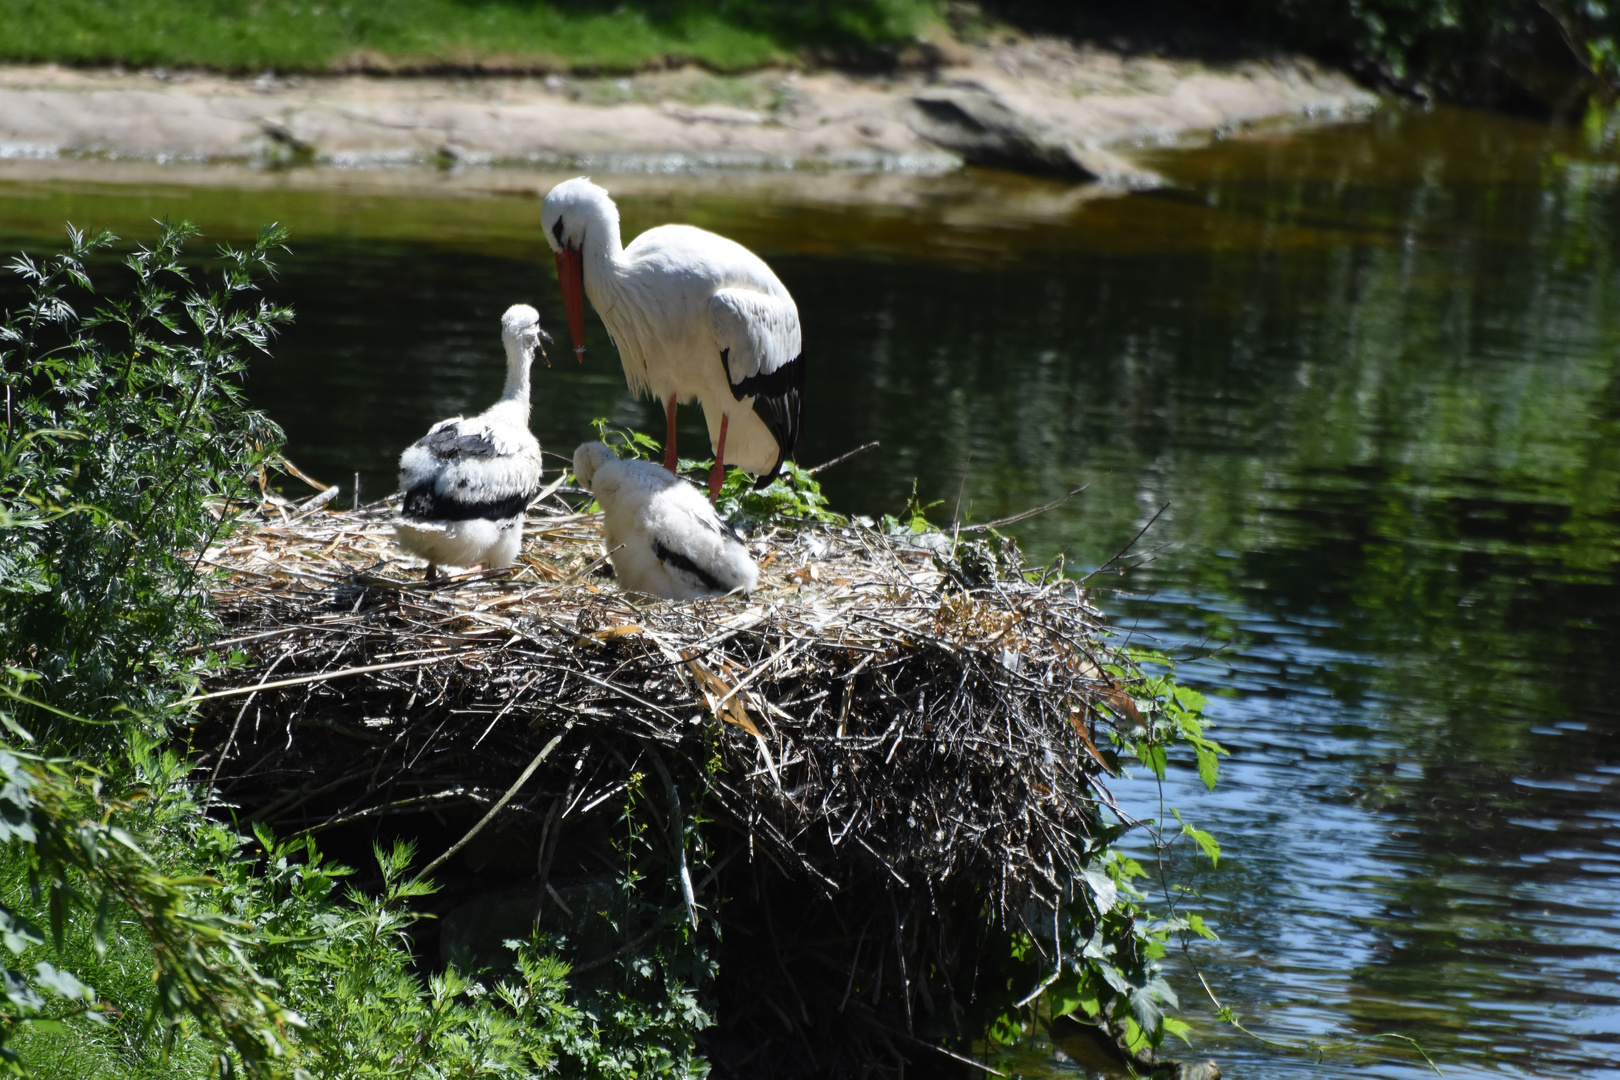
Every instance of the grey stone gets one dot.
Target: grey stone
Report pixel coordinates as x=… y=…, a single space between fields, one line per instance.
x=984 y=131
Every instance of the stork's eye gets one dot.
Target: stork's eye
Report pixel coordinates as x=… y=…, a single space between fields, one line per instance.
x=556 y=230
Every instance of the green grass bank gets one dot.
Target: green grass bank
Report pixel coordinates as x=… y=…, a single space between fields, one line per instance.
x=438 y=34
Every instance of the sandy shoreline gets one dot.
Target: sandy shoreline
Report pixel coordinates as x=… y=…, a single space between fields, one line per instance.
x=1038 y=106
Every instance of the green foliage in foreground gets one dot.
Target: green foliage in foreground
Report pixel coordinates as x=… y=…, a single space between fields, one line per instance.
x=71 y=863
x=126 y=432
x=146 y=940
x=316 y=34
x=138 y=937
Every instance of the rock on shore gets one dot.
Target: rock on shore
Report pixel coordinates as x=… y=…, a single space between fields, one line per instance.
x=1035 y=105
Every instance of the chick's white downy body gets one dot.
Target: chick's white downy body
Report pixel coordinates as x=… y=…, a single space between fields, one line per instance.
x=467 y=482
x=694 y=316
x=663 y=537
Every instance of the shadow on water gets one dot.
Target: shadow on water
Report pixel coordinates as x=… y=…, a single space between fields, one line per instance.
x=1375 y=372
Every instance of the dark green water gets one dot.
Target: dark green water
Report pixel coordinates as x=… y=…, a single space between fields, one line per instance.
x=1374 y=372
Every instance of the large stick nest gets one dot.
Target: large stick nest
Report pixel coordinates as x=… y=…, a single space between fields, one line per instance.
x=900 y=713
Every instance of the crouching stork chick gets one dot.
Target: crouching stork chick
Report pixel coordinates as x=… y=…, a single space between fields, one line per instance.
x=468 y=482
x=661 y=534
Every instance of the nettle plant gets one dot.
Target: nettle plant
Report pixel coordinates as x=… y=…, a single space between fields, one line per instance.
x=126 y=436
x=1115 y=928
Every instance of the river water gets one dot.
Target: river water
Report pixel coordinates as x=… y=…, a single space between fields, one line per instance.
x=1370 y=374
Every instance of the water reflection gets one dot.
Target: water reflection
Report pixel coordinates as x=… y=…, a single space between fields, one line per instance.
x=1375 y=373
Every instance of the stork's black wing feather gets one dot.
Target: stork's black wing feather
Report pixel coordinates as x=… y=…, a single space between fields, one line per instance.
x=676 y=560
x=450 y=442
x=778 y=401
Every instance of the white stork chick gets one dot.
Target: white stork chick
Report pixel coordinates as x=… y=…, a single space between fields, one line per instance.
x=694 y=315
x=663 y=537
x=467 y=483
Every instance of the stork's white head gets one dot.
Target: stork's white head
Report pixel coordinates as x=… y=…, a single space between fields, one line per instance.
x=520 y=330
x=577 y=212
x=587 y=459
x=576 y=209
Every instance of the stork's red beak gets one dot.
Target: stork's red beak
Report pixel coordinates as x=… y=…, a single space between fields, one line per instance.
x=571 y=279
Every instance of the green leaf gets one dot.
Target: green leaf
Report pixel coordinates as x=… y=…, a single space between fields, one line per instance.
x=1179 y=1028
x=98 y=930
x=1113 y=977
x=1190 y=699
x=1103 y=889
x=1065 y=995
x=62 y=983
x=1203 y=839
x=1136 y=1040
x=18 y=933
x=1209 y=767
x=58 y=913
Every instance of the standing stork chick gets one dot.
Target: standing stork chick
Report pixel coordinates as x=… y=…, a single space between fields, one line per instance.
x=663 y=537
x=467 y=482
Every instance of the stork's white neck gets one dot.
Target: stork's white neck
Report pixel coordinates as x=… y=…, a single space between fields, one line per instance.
x=602 y=251
x=518 y=361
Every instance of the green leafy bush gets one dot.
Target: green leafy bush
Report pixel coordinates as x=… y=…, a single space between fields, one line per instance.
x=1115 y=929
x=792 y=497
x=69 y=855
x=126 y=438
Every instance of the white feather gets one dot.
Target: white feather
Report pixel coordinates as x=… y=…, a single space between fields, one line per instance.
x=663 y=537
x=475 y=542
x=760 y=330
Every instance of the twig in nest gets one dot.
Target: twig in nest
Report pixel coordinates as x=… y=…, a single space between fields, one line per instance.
x=1120 y=554
x=500 y=804
x=326 y=676
x=845 y=456
x=1025 y=515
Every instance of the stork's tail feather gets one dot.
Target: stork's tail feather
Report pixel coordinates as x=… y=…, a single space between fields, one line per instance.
x=765 y=479
x=778 y=401
x=424 y=502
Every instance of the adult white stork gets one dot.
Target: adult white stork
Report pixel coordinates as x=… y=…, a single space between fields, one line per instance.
x=694 y=315
x=468 y=482
x=662 y=537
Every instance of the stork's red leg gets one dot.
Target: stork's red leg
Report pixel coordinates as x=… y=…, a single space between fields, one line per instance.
x=669 y=434
x=717 y=475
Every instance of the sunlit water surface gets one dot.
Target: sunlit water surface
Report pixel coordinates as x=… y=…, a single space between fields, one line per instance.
x=1374 y=373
